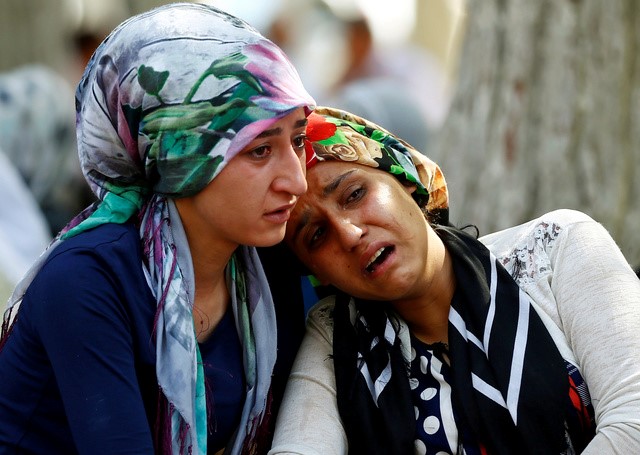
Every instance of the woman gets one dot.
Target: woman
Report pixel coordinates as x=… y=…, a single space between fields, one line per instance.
x=523 y=342
x=37 y=132
x=147 y=326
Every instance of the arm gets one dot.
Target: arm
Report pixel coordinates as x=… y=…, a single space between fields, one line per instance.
x=87 y=334
x=308 y=422
x=598 y=299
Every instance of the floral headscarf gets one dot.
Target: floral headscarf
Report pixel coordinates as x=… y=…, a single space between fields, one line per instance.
x=165 y=102
x=169 y=98
x=339 y=135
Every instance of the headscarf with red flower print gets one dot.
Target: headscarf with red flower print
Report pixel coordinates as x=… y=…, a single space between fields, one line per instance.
x=339 y=135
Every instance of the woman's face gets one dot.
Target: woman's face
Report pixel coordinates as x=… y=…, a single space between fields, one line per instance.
x=359 y=229
x=249 y=202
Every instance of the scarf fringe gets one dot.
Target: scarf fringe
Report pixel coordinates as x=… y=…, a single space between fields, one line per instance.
x=162 y=430
x=163 y=438
x=7 y=327
x=260 y=431
x=212 y=422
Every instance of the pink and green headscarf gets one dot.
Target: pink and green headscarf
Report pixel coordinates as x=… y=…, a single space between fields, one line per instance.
x=169 y=98
x=166 y=101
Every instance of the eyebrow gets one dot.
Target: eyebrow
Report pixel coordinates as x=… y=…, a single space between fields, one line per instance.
x=276 y=131
x=335 y=183
x=326 y=192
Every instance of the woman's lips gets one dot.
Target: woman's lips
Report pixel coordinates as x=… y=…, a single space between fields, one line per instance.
x=378 y=260
x=280 y=215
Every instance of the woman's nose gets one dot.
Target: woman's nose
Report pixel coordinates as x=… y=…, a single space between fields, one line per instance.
x=349 y=233
x=292 y=178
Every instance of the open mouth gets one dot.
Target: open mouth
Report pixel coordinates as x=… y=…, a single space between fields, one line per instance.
x=378 y=258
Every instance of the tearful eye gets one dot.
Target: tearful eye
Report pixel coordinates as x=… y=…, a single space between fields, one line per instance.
x=261 y=152
x=355 y=195
x=316 y=237
x=298 y=142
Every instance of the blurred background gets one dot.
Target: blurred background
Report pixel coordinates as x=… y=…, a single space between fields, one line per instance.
x=527 y=106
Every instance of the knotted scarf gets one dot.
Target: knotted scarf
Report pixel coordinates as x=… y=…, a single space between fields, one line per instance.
x=168 y=98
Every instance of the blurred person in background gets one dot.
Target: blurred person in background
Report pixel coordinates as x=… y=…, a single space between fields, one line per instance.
x=394 y=85
x=24 y=232
x=397 y=84
x=96 y=19
x=37 y=134
x=150 y=325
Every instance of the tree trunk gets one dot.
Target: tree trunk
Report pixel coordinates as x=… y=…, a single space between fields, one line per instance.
x=546 y=115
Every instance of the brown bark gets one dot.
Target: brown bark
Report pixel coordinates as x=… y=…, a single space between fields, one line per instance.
x=546 y=115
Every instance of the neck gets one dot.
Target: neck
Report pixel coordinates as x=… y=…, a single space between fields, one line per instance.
x=211 y=298
x=209 y=256
x=428 y=315
x=210 y=304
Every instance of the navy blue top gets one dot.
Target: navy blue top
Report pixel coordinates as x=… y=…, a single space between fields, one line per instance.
x=77 y=373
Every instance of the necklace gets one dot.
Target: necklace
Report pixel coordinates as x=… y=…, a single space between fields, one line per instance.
x=202 y=321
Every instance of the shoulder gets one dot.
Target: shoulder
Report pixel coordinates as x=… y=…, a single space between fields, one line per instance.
x=545 y=228
x=109 y=246
x=103 y=263
x=528 y=250
x=109 y=237
x=320 y=316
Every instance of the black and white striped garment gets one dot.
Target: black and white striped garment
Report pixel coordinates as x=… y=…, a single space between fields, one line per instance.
x=509 y=383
